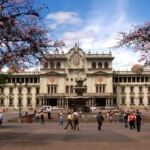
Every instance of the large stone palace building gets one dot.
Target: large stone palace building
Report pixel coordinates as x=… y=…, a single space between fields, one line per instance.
x=76 y=79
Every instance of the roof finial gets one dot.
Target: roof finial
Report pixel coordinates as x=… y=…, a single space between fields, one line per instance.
x=76 y=45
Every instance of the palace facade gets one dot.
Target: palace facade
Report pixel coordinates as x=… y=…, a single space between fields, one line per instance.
x=76 y=79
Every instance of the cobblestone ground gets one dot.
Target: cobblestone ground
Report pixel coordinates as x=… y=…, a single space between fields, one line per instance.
x=52 y=136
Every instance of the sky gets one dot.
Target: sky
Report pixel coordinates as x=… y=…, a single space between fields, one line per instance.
x=95 y=25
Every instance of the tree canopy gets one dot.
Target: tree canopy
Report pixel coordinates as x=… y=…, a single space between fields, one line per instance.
x=139 y=40
x=23 y=37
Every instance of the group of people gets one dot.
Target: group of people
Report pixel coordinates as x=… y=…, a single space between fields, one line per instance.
x=73 y=120
x=133 y=120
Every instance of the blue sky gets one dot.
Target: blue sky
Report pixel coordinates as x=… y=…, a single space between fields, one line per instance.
x=95 y=24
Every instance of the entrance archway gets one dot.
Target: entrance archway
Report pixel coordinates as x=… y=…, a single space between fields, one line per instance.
x=101 y=102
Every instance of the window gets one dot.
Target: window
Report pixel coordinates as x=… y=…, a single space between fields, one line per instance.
x=1 y=90
x=35 y=80
x=123 y=102
x=31 y=80
x=129 y=79
x=97 y=89
x=9 y=80
x=114 y=101
x=133 y=79
x=99 y=65
x=11 y=102
x=148 y=100
x=19 y=90
x=124 y=79
x=1 y=102
x=140 y=101
x=142 y=79
x=122 y=90
x=131 y=89
x=22 y=80
x=18 y=80
x=37 y=90
x=106 y=65
x=58 y=66
x=116 y=79
x=93 y=65
x=52 y=89
x=13 y=80
x=138 y=79
x=71 y=89
x=37 y=101
x=67 y=89
x=100 y=88
x=120 y=79
x=132 y=101
x=28 y=101
x=27 y=80
x=19 y=101
x=11 y=90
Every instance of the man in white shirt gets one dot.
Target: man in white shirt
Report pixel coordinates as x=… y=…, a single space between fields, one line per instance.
x=75 y=120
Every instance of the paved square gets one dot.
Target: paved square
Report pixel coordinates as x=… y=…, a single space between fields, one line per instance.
x=52 y=136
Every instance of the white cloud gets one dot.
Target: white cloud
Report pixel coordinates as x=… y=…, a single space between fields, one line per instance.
x=98 y=33
x=63 y=18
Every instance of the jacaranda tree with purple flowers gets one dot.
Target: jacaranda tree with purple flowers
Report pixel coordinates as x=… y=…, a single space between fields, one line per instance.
x=139 y=40
x=23 y=39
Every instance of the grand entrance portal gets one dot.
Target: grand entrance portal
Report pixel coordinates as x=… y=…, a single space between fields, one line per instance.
x=101 y=102
x=76 y=103
x=51 y=102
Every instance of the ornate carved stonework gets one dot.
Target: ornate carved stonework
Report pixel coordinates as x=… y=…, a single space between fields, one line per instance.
x=99 y=79
x=76 y=59
x=51 y=79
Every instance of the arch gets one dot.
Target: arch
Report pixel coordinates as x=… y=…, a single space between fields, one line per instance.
x=93 y=65
x=99 y=65
x=58 y=65
x=106 y=65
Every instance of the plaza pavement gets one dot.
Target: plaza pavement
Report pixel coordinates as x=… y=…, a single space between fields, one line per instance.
x=51 y=136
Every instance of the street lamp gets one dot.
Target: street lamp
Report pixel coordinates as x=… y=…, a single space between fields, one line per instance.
x=19 y=107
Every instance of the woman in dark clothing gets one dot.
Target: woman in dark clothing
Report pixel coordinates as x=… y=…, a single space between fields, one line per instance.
x=138 y=121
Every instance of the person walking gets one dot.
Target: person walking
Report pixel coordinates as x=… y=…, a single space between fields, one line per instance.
x=138 y=121
x=75 y=120
x=131 y=120
x=61 y=118
x=69 y=121
x=42 y=118
x=100 y=120
x=125 y=120
x=1 y=118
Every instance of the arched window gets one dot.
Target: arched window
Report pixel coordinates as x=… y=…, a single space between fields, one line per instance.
x=99 y=65
x=67 y=89
x=52 y=65
x=93 y=65
x=106 y=65
x=58 y=66
x=71 y=89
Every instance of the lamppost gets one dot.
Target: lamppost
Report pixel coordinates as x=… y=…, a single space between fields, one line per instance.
x=20 y=109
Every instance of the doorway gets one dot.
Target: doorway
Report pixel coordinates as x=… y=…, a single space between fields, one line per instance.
x=101 y=102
